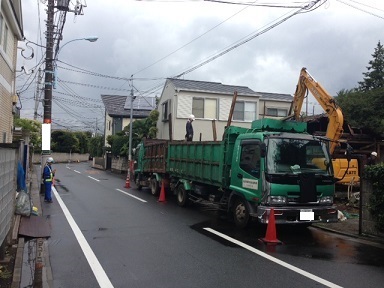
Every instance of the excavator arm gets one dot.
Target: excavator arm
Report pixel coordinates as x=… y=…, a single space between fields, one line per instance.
x=308 y=83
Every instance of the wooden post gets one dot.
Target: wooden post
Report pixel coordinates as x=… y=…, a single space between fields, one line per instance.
x=214 y=129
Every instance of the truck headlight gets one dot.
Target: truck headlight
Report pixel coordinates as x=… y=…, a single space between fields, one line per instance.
x=326 y=200
x=277 y=200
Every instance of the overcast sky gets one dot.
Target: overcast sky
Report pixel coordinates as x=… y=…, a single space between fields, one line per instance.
x=153 y=40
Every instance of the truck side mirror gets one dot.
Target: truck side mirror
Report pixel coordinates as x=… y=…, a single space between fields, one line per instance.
x=263 y=150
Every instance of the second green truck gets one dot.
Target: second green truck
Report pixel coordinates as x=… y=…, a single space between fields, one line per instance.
x=274 y=164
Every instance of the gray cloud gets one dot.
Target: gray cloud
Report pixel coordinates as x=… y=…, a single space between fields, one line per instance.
x=334 y=42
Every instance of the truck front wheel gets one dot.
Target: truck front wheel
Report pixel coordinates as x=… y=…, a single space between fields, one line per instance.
x=240 y=213
x=182 y=196
x=155 y=187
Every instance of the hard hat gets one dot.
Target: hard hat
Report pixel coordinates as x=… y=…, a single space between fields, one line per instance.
x=374 y=154
x=50 y=160
x=192 y=117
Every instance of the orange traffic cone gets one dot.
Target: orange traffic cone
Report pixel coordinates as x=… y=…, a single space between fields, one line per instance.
x=127 y=182
x=162 y=193
x=270 y=235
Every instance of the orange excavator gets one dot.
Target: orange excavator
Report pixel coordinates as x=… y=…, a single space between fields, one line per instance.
x=346 y=172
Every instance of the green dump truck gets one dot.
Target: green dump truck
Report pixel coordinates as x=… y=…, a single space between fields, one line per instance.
x=274 y=164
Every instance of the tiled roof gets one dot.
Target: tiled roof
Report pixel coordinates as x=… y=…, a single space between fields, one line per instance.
x=114 y=106
x=212 y=87
x=276 y=97
x=141 y=103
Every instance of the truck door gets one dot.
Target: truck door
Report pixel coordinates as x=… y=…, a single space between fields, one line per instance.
x=246 y=169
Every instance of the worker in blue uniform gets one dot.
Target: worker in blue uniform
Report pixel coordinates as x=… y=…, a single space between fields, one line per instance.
x=48 y=175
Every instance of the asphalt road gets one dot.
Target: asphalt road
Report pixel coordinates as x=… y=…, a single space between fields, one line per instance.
x=104 y=235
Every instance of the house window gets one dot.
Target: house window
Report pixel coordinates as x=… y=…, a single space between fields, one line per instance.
x=204 y=108
x=277 y=112
x=117 y=125
x=245 y=111
x=165 y=109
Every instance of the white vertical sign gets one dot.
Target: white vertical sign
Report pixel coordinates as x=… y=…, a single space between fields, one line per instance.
x=46 y=137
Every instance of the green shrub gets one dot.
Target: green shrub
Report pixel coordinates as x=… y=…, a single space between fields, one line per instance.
x=375 y=174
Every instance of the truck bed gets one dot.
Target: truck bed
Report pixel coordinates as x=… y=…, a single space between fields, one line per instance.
x=197 y=161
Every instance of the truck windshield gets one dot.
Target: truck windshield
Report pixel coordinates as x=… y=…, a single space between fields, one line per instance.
x=294 y=156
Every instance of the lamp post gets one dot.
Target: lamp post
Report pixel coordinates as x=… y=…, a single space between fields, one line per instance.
x=50 y=63
x=49 y=71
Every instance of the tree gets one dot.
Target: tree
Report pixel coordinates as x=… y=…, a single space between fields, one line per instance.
x=144 y=128
x=84 y=138
x=96 y=146
x=34 y=127
x=363 y=109
x=64 y=141
x=374 y=78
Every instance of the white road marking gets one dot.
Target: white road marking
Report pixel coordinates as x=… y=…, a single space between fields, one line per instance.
x=93 y=262
x=77 y=171
x=94 y=178
x=133 y=196
x=273 y=259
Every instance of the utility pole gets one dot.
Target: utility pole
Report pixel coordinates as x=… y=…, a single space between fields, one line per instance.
x=37 y=95
x=49 y=64
x=47 y=103
x=130 y=162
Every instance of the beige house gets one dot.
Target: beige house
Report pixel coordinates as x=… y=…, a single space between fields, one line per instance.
x=118 y=112
x=210 y=103
x=11 y=31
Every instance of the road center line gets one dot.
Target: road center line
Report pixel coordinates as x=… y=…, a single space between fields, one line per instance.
x=273 y=259
x=77 y=171
x=133 y=196
x=94 y=178
x=93 y=262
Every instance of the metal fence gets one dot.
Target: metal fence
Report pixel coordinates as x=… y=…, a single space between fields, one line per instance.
x=7 y=190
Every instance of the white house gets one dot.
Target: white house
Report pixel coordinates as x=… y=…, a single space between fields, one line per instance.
x=209 y=101
x=118 y=112
x=11 y=31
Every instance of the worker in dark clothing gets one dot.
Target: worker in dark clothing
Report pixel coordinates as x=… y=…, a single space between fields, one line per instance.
x=48 y=175
x=372 y=159
x=189 y=128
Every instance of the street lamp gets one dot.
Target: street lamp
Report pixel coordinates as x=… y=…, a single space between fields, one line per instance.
x=90 y=39
x=49 y=73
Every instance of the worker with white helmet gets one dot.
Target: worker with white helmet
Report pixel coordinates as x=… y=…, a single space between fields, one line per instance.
x=48 y=175
x=189 y=128
x=372 y=158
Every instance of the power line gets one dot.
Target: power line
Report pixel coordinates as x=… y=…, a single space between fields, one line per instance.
x=360 y=9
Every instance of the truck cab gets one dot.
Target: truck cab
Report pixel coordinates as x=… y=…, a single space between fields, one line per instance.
x=290 y=172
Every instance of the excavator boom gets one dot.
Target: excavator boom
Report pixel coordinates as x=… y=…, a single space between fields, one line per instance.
x=335 y=126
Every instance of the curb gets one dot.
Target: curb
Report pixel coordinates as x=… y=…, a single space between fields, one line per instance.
x=41 y=271
x=377 y=242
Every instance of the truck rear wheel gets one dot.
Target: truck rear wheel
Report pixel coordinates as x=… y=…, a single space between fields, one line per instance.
x=182 y=196
x=137 y=182
x=155 y=187
x=240 y=213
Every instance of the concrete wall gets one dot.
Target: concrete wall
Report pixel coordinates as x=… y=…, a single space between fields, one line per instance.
x=8 y=178
x=62 y=157
x=119 y=165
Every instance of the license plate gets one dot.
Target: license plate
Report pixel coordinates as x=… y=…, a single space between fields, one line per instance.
x=307 y=215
